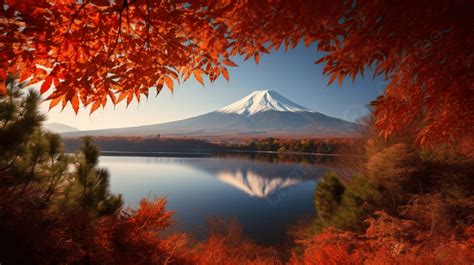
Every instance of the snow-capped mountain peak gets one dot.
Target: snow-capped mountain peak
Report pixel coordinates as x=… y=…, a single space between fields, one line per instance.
x=260 y=101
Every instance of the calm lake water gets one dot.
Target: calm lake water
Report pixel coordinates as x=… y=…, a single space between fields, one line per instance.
x=265 y=197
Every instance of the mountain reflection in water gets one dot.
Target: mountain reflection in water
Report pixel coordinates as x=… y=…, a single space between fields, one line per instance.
x=265 y=197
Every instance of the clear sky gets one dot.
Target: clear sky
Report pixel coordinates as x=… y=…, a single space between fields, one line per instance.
x=293 y=74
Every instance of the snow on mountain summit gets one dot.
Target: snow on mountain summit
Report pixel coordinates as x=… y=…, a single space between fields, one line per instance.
x=260 y=101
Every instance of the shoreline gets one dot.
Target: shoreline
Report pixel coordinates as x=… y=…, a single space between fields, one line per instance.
x=210 y=153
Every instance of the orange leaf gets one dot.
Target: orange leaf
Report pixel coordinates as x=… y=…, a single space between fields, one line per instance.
x=256 y=56
x=56 y=82
x=121 y=96
x=229 y=62
x=112 y=97
x=341 y=79
x=24 y=75
x=159 y=87
x=75 y=103
x=54 y=102
x=187 y=75
x=197 y=75
x=95 y=106
x=307 y=40
x=225 y=74
x=169 y=82
x=129 y=97
x=46 y=84
x=320 y=60
x=248 y=56
x=332 y=78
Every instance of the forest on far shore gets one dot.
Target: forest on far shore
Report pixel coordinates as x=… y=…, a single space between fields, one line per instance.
x=348 y=146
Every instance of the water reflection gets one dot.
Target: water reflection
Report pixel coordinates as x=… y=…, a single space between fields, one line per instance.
x=264 y=196
x=255 y=185
x=255 y=178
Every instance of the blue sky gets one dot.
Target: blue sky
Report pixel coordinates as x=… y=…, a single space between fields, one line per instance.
x=293 y=74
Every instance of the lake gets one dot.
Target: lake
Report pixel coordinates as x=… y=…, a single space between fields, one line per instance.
x=265 y=196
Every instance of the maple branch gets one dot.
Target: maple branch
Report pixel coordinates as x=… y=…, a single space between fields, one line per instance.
x=74 y=16
x=150 y=23
x=118 y=33
x=127 y=17
x=124 y=5
x=135 y=63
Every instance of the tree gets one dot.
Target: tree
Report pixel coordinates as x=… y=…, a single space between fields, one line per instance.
x=19 y=117
x=32 y=168
x=388 y=240
x=58 y=210
x=136 y=237
x=346 y=206
x=89 y=185
x=21 y=145
x=327 y=197
x=57 y=166
x=227 y=244
x=395 y=168
x=100 y=50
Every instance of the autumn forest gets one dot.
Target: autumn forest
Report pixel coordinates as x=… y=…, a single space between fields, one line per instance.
x=408 y=198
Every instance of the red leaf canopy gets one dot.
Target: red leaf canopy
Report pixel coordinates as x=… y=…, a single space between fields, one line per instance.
x=100 y=50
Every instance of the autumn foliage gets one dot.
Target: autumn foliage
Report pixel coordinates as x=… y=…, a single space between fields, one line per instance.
x=227 y=244
x=134 y=237
x=387 y=242
x=94 y=51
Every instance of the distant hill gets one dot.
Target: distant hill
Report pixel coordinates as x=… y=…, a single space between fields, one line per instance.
x=263 y=113
x=59 y=128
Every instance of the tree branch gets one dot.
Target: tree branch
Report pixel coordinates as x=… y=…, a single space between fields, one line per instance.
x=74 y=16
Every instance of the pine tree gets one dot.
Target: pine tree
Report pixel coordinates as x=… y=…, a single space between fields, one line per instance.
x=20 y=137
x=88 y=186
x=57 y=166
x=327 y=197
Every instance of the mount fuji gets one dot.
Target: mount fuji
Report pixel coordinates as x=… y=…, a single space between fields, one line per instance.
x=263 y=113
x=262 y=101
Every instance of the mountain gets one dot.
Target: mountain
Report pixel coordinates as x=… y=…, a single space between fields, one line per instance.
x=59 y=128
x=262 y=101
x=263 y=113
